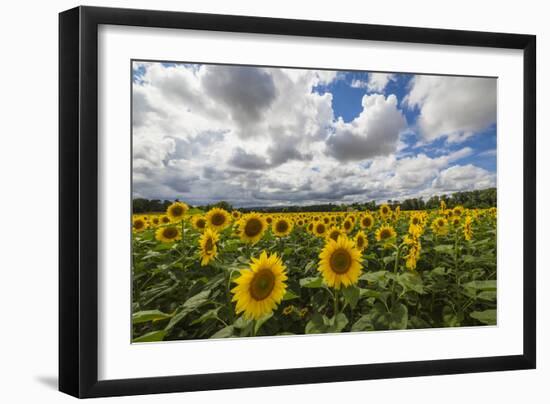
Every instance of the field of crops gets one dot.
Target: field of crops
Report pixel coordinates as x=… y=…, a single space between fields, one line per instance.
x=220 y=274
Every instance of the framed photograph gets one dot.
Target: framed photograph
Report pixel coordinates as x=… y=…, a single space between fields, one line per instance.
x=251 y=201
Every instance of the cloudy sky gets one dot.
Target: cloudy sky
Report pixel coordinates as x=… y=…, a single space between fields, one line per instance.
x=268 y=136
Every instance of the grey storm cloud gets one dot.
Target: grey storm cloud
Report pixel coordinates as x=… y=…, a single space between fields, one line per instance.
x=248 y=161
x=246 y=91
x=279 y=154
x=187 y=148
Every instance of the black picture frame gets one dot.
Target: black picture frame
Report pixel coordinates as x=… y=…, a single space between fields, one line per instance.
x=78 y=200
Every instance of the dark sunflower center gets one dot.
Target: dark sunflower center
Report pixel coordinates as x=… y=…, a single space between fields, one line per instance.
x=209 y=246
x=262 y=284
x=218 y=219
x=138 y=224
x=385 y=234
x=334 y=235
x=269 y=220
x=347 y=225
x=360 y=242
x=177 y=211
x=415 y=220
x=201 y=223
x=366 y=222
x=326 y=220
x=170 y=232
x=282 y=226
x=340 y=261
x=384 y=210
x=165 y=220
x=253 y=227
x=440 y=223
x=320 y=228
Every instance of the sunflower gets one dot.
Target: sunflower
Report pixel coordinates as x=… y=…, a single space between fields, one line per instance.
x=455 y=221
x=288 y=310
x=415 y=230
x=252 y=227
x=413 y=253
x=347 y=225
x=208 y=247
x=155 y=221
x=138 y=224
x=218 y=219
x=361 y=241
x=268 y=219
x=440 y=226
x=385 y=234
x=367 y=221
x=415 y=220
x=261 y=287
x=236 y=215
x=340 y=262
x=199 y=222
x=168 y=234
x=165 y=219
x=334 y=232
x=385 y=211
x=458 y=210
x=176 y=211
x=282 y=227
x=320 y=229
x=468 y=231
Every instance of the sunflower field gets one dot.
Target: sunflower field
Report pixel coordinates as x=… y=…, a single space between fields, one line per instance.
x=221 y=274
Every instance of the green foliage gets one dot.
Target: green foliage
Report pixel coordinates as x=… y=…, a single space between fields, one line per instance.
x=453 y=285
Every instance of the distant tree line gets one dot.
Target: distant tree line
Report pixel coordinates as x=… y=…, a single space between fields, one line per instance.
x=141 y=205
x=484 y=198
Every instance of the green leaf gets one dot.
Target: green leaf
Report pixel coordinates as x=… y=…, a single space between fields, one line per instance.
x=337 y=323
x=316 y=325
x=490 y=295
x=225 y=332
x=197 y=300
x=290 y=295
x=450 y=318
x=190 y=304
x=242 y=323
x=152 y=336
x=374 y=277
x=439 y=271
x=149 y=315
x=351 y=295
x=388 y=259
x=363 y=324
x=311 y=282
x=411 y=282
x=395 y=319
x=258 y=323
x=445 y=248
x=486 y=316
x=164 y=246
x=482 y=285
x=209 y=315
x=310 y=265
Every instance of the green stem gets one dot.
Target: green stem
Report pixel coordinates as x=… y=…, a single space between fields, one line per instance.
x=335 y=302
x=254 y=328
x=395 y=267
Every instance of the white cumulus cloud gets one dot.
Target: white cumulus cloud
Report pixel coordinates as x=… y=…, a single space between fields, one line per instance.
x=455 y=107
